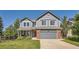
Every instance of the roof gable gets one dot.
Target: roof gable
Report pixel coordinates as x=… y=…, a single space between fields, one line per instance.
x=40 y=17
x=25 y=19
x=47 y=13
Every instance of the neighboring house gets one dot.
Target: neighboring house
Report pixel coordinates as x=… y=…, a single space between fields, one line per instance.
x=47 y=26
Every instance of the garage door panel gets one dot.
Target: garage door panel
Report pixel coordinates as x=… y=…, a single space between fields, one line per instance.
x=47 y=34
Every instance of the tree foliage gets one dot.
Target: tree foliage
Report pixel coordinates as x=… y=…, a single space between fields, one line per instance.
x=10 y=31
x=76 y=17
x=1 y=27
x=75 y=27
x=16 y=24
x=64 y=26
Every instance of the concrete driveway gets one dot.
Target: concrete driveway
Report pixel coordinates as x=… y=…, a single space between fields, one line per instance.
x=55 y=44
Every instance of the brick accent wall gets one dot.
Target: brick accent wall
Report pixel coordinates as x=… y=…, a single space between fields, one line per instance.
x=58 y=34
x=38 y=34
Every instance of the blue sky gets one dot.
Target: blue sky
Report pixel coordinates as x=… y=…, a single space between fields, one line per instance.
x=9 y=16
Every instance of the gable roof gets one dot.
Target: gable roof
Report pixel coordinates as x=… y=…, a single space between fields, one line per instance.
x=40 y=17
x=47 y=13
x=25 y=19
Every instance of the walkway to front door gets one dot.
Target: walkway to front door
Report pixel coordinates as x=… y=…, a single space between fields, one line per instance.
x=55 y=44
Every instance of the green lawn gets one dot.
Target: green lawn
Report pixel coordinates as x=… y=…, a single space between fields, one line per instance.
x=20 y=44
x=71 y=42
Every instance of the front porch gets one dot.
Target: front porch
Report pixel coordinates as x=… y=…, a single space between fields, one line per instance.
x=26 y=33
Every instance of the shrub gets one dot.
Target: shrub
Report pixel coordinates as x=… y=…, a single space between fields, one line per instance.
x=20 y=38
x=74 y=38
x=24 y=38
x=28 y=38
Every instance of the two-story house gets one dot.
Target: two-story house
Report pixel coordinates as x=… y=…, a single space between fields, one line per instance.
x=47 y=26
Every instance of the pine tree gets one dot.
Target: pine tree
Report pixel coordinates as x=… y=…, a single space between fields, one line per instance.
x=16 y=24
x=1 y=27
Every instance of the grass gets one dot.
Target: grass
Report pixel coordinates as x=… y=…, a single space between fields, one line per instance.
x=20 y=44
x=71 y=42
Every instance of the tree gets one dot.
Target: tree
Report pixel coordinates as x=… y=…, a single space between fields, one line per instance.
x=64 y=26
x=16 y=24
x=76 y=17
x=10 y=31
x=75 y=27
x=1 y=27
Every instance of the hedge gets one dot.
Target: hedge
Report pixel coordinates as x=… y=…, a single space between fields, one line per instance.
x=74 y=38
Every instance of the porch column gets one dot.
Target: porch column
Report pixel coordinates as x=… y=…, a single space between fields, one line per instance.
x=26 y=33
x=20 y=33
x=31 y=33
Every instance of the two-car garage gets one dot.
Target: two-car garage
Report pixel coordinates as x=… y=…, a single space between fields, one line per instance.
x=47 y=34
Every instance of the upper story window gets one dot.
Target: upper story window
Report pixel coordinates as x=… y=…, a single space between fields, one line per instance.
x=43 y=22
x=24 y=24
x=27 y=23
x=52 y=22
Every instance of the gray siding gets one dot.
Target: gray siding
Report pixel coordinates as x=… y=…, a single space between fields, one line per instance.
x=22 y=23
x=48 y=17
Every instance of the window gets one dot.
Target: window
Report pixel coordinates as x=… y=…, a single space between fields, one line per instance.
x=24 y=24
x=27 y=23
x=52 y=22
x=43 y=22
